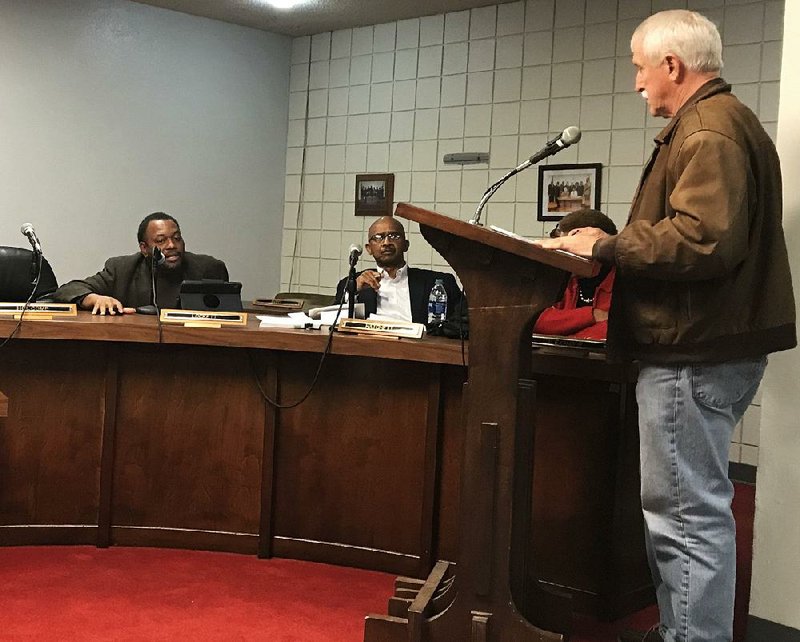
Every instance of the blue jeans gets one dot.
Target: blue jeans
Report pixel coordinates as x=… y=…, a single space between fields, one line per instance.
x=687 y=414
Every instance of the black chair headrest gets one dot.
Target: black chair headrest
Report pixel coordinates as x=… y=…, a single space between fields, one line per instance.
x=17 y=271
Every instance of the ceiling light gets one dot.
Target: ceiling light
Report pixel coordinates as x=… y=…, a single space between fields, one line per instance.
x=283 y=4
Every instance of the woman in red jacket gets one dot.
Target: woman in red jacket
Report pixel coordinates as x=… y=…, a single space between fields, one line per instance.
x=582 y=312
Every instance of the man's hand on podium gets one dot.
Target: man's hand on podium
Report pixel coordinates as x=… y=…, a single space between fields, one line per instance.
x=579 y=241
x=103 y=305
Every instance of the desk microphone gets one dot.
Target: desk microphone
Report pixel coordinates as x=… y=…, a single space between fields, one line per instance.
x=355 y=252
x=350 y=286
x=27 y=230
x=36 y=255
x=157 y=259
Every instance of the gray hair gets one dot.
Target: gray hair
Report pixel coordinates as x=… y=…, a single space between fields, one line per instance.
x=690 y=36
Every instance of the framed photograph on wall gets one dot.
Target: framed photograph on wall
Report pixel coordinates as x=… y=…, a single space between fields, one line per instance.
x=566 y=188
x=374 y=194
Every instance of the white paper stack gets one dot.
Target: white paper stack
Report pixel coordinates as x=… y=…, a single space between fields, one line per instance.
x=296 y=320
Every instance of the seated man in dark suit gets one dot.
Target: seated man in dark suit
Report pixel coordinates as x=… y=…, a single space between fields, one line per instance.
x=126 y=281
x=395 y=290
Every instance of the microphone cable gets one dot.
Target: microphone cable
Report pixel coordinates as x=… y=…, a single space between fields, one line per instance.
x=328 y=345
x=28 y=302
x=461 y=334
x=153 y=266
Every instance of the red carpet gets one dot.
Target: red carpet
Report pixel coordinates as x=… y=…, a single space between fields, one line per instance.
x=52 y=593
x=127 y=594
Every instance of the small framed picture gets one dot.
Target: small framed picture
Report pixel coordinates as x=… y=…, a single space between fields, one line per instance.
x=374 y=194
x=566 y=188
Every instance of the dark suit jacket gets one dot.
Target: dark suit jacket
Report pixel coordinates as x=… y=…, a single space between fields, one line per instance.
x=127 y=279
x=420 y=283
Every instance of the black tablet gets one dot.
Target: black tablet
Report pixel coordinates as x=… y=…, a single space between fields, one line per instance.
x=210 y=294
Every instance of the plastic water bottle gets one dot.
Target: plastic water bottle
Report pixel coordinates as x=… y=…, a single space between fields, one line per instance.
x=437 y=303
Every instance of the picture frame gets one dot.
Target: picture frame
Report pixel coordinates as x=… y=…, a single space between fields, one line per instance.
x=566 y=188
x=374 y=194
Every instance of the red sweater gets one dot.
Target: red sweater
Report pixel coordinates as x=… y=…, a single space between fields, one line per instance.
x=567 y=320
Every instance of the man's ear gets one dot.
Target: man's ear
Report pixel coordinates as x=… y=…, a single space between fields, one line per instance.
x=144 y=248
x=368 y=248
x=405 y=245
x=675 y=67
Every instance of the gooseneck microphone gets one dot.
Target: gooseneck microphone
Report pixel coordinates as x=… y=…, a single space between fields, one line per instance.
x=27 y=230
x=566 y=138
x=569 y=136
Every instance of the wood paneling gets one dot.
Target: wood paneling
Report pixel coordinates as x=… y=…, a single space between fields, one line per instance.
x=189 y=438
x=355 y=449
x=50 y=442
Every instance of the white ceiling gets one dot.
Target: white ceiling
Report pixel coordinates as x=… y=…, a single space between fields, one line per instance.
x=316 y=16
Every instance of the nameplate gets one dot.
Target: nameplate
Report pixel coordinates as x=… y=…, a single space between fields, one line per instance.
x=278 y=306
x=204 y=319
x=396 y=329
x=34 y=311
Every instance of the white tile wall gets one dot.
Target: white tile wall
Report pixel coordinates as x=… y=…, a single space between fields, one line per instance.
x=431 y=30
x=396 y=97
x=340 y=43
x=510 y=18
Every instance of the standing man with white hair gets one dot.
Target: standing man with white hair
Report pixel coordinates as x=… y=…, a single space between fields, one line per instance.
x=703 y=293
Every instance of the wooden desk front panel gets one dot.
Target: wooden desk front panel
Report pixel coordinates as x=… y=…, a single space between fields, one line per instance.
x=585 y=495
x=349 y=461
x=188 y=445
x=50 y=441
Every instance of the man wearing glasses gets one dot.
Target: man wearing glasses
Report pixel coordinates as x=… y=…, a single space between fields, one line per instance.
x=125 y=282
x=394 y=290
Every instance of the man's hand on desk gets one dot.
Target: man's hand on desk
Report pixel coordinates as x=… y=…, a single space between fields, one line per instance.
x=579 y=241
x=103 y=305
x=368 y=279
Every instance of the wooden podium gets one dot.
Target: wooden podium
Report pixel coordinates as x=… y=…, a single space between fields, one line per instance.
x=507 y=281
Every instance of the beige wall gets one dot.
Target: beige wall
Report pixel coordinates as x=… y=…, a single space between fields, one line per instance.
x=776 y=565
x=110 y=110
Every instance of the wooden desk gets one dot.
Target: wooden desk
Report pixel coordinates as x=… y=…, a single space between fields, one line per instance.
x=112 y=438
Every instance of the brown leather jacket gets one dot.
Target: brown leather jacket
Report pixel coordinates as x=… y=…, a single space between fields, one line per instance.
x=702 y=268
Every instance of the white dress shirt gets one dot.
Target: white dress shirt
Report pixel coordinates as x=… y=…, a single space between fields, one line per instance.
x=394 y=299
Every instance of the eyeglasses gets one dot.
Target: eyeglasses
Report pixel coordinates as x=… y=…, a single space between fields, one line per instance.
x=392 y=236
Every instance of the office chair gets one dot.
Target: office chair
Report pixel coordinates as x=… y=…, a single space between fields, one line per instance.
x=17 y=271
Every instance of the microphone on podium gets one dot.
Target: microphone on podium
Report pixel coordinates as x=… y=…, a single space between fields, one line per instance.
x=566 y=138
x=569 y=136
